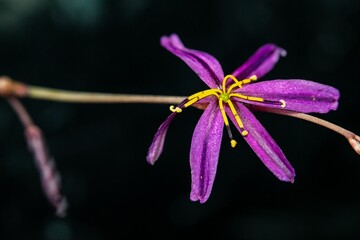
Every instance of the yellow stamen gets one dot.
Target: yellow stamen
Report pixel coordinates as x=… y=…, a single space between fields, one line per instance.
x=257 y=99
x=200 y=95
x=177 y=109
x=231 y=77
x=233 y=143
x=234 y=86
x=221 y=105
x=253 y=78
x=237 y=118
x=191 y=102
x=249 y=80
x=240 y=83
x=206 y=92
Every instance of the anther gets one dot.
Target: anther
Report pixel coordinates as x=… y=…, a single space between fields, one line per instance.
x=253 y=78
x=175 y=109
x=283 y=103
x=232 y=141
x=244 y=133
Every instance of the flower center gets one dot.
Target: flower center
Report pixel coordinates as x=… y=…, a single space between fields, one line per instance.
x=225 y=96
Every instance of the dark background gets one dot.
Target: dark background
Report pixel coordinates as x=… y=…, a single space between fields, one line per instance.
x=113 y=46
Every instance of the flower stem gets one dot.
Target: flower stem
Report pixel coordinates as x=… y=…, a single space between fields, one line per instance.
x=20 y=112
x=12 y=89
x=353 y=139
x=89 y=97
x=50 y=177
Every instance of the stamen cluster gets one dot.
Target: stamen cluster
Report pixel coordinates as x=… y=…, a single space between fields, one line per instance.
x=227 y=96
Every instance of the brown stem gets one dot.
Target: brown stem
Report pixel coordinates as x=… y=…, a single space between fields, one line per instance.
x=353 y=139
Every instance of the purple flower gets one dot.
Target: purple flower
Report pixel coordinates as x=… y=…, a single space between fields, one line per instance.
x=231 y=97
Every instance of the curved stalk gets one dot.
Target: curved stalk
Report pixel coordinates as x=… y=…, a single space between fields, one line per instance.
x=353 y=139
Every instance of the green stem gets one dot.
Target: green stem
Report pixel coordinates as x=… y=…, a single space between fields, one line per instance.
x=89 y=97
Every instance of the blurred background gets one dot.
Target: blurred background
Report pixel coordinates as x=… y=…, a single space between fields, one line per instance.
x=113 y=46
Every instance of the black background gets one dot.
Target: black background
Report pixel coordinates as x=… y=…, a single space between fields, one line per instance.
x=113 y=46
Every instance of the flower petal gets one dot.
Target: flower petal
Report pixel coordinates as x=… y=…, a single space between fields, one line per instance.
x=157 y=144
x=299 y=95
x=204 y=153
x=50 y=177
x=261 y=62
x=203 y=64
x=263 y=145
